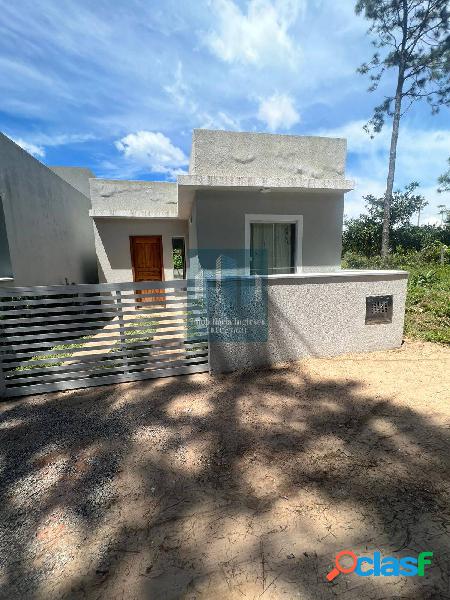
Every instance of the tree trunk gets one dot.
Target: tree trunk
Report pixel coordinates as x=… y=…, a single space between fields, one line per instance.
x=391 y=171
x=394 y=135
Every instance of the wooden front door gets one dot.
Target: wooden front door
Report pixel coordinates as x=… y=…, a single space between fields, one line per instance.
x=147 y=260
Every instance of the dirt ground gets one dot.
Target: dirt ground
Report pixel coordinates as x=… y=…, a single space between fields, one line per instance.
x=243 y=486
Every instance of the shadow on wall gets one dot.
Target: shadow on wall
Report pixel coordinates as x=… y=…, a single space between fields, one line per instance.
x=198 y=487
x=116 y=243
x=89 y=270
x=5 y=257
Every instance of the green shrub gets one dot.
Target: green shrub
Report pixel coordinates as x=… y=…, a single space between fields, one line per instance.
x=428 y=295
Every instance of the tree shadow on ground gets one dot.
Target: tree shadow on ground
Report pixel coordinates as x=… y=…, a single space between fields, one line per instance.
x=240 y=486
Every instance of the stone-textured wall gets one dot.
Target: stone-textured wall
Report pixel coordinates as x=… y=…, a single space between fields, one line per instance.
x=322 y=316
x=156 y=197
x=261 y=155
x=49 y=231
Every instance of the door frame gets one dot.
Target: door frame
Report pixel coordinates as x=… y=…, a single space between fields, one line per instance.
x=132 y=237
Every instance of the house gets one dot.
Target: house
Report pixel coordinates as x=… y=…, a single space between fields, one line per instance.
x=252 y=233
x=265 y=209
x=241 y=188
x=46 y=233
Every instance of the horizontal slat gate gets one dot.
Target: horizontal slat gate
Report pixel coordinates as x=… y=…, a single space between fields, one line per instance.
x=68 y=337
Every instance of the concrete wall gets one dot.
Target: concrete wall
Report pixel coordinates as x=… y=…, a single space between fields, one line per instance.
x=156 y=198
x=220 y=219
x=112 y=239
x=322 y=316
x=263 y=155
x=77 y=177
x=49 y=230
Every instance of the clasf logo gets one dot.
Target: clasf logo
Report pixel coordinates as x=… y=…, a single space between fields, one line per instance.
x=389 y=566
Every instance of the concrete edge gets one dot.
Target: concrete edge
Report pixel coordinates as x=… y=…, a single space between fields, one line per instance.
x=294 y=183
x=324 y=277
x=129 y=214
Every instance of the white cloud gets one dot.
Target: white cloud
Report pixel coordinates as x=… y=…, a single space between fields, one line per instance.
x=354 y=203
x=152 y=151
x=430 y=214
x=182 y=95
x=62 y=139
x=35 y=150
x=421 y=156
x=421 y=153
x=259 y=36
x=179 y=90
x=278 y=112
x=221 y=120
x=413 y=145
x=38 y=142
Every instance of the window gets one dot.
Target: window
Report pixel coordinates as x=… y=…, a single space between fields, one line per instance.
x=274 y=244
x=179 y=258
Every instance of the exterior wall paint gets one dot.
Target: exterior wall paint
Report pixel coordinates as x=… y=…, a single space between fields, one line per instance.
x=234 y=153
x=324 y=317
x=220 y=219
x=193 y=242
x=5 y=258
x=77 y=177
x=112 y=240
x=49 y=232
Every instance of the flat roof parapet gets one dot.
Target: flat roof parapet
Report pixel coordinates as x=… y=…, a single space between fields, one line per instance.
x=245 y=154
x=130 y=199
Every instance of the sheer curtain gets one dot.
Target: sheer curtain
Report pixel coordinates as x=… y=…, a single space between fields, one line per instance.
x=283 y=245
x=272 y=248
x=261 y=248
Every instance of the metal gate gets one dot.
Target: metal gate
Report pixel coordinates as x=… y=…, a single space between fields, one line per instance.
x=74 y=336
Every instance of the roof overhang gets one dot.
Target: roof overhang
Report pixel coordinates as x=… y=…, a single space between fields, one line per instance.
x=189 y=184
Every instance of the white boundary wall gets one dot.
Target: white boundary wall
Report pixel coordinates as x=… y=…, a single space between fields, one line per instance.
x=321 y=314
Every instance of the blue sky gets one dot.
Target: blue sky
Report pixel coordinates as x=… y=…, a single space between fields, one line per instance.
x=118 y=86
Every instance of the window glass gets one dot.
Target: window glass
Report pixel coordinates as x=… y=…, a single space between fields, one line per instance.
x=272 y=248
x=179 y=258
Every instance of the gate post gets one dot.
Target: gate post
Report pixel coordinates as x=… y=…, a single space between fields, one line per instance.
x=123 y=339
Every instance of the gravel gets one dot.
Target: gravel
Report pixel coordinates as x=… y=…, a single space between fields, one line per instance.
x=231 y=487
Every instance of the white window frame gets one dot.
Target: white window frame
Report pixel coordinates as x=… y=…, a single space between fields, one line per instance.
x=297 y=220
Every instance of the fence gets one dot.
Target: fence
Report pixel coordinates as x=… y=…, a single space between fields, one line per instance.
x=68 y=337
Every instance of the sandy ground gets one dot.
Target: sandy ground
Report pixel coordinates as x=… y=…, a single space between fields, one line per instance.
x=243 y=486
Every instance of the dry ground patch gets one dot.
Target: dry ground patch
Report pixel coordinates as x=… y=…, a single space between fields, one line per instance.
x=239 y=486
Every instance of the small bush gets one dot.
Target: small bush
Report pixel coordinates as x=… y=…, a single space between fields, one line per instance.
x=428 y=297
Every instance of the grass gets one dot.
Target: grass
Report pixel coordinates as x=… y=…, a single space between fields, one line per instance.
x=140 y=327
x=428 y=304
x=427 y=315
x=39 y=361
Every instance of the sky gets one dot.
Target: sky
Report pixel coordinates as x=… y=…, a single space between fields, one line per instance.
x=118 y=86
